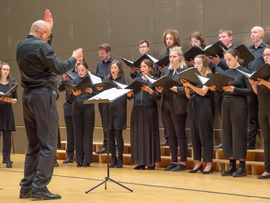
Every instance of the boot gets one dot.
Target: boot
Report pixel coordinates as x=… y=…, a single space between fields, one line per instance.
x=113 y=162
x=119 y=162
x=241 y=172
x=231 y=168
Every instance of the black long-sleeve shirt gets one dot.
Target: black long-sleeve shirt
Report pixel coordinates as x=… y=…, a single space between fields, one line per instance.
x=103 y=68
x=241 y=84
x=143 y=98
x=39 y=64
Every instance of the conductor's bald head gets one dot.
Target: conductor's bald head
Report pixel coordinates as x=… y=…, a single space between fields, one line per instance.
x=41 y=29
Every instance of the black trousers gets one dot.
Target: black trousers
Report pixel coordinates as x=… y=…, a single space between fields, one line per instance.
x=201 y=127
x=6 y=144
x=234 y=127
x=118 y=136
x=264 y=118
x=70 y=136
x=41 y=124
x=103 y=122
x=83 y=116
x=253 y=119
x=175 y=125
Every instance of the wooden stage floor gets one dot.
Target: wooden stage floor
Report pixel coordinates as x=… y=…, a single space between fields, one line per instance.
x=148 y=186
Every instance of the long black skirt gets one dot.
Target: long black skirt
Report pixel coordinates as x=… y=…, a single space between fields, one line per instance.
x=144 y=135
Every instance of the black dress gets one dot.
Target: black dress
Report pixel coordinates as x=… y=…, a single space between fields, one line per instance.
x=7 y=116
x=144 y=130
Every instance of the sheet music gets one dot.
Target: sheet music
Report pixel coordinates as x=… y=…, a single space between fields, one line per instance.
x=122 y=86
x=202 y=78
x=152 y=58
x=95 y=79
x=245 y=74
x=110 y=94
x=150 y=79
x=127 y=60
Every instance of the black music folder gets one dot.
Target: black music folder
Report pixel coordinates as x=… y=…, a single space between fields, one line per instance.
x=137 y=63
x=164 y=81
x=97 y=82
x=9 y=92
x=245 y=54
x=72 y=74
x=127 y=62
x=212 y=50
x=86 y=82
x=164 y=61
x=135 y=85
x=218 y=79
x=263 y=72
x=190 y=75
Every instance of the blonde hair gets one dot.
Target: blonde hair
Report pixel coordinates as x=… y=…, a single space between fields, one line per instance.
x=205 y=70
x=178 y=50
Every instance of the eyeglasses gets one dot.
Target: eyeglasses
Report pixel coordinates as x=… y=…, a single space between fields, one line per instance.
x=142 y=47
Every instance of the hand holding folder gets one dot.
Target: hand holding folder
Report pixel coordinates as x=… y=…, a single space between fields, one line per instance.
x=219 y=80
x=212 y=50
x=190 y=75
x=84 y=83
x=9 y=92
x=263 y=72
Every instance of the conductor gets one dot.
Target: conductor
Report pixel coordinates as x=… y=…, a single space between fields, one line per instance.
x=38 y=66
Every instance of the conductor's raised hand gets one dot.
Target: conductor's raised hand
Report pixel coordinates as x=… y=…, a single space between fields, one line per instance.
x=78 y=54
x=48 y=18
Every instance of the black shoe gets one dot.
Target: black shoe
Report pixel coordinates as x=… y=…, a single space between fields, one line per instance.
x=218 y=146
x=56 y=164
x=195 y=170
x=241 y=172
x=151 y=167
x=179 y=167
x=47 y=195
x=165 y=142
x=208 y=172
x=79 y=164
x=25 y=193
x=102 y=151
x=170 y=167
x=229 y=171
x=119 y=163
x=86 y=165
x=250 y=146
x=113 y=162
x=4 y=161
x=68 y=160
x=263 y=176
x=9 y=164
x=139 y=167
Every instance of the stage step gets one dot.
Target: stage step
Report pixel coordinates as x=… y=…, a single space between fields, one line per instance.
x=254 y=163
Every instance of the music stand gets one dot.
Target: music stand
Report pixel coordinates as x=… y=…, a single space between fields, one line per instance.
x=107 y=96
